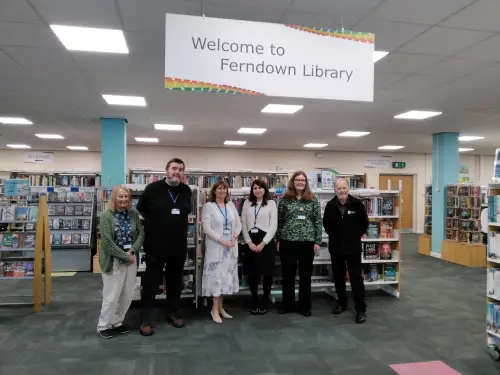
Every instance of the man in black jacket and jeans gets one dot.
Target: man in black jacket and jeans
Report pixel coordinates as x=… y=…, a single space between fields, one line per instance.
x=165 y=206
x=345 y=221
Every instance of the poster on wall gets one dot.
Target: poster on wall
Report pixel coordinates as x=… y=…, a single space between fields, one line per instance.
x=327 y=180
x=241 y=57
x=16 y=188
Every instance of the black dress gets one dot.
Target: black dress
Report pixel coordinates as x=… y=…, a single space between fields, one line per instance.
x=260 y=263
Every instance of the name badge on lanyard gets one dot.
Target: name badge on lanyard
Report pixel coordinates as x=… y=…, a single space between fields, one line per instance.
x=176 y=211
x=254 y=230
x=226 y=230
x=301 y=215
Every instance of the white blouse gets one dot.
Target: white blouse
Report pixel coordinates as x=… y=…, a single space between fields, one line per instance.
x=267 y=219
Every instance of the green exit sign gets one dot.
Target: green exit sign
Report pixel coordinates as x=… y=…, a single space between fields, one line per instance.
x=399 y=164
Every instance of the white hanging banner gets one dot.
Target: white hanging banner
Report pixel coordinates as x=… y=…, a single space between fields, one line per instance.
x=256 y=58
x=39 y=157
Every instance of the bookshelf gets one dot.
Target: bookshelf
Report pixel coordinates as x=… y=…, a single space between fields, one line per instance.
x=68 y=179
x=493 y=273
x=425 y=240
x=25 y=250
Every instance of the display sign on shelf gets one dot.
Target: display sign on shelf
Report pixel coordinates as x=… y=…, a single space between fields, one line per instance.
x=16 y=188
x=234 y=56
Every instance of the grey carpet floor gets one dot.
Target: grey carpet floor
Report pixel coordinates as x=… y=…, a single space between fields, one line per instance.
x=440 y=316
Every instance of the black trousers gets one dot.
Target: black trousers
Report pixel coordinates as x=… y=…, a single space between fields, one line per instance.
x=173 y=263
x=293 y=253
x=253 y=283
x=355 y=269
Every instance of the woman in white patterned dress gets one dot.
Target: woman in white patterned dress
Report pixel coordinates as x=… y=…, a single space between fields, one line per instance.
x=221 y=225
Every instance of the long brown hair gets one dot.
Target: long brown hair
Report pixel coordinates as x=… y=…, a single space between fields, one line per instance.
x=265 y=197
x=291 y=193
x=211 y=196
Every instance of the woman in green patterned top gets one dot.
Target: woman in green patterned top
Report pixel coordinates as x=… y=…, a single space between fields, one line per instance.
x=299 y=238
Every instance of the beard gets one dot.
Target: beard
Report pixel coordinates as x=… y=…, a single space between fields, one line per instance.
x=173 y=182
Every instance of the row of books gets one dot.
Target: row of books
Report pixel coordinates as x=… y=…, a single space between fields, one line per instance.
x=463 y=213
x=494 y=209
x=463 y=190
x=493 y=282
x=59 y=180
x=468 y=225
x=494 y=245
x=16 y=269
x=70 y=210
x=17 y=240
x=379 y=272
x=69 y=196
x=493 y=317
x=65 y=224
x=69 y=238
x=463 y=236
x=379 y=206
x=372 y=251
x=21 y=213
x=380 y=229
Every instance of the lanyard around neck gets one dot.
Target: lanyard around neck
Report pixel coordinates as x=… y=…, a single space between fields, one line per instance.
x=256 y=213
x=172 y=197
x=224 y=214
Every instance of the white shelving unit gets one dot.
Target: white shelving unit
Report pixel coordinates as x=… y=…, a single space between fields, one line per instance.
x=493 y=273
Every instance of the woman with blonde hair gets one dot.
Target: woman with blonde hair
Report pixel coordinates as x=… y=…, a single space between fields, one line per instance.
x=122 y=236
x=299 y=237
x=221 y=225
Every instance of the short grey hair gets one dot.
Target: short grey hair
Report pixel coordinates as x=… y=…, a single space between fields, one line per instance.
x=341 y=179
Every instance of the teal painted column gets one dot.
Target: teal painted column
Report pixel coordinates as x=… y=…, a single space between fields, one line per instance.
x=113 y=151
x=445 y=168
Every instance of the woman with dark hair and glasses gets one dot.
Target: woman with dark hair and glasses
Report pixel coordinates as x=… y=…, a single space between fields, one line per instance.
x=222 y=226
x=259 y=218
x=299 y=238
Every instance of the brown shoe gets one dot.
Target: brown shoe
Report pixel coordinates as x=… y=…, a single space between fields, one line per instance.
x=175 y=321
x=146 y=329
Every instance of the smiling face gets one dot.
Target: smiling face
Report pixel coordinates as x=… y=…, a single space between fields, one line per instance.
x=299 y=182
x=175 y=173
x=221 y=192
x=258 y=191
x=122 y=200
x=341 y=189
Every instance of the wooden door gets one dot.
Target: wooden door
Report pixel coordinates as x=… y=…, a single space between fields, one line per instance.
x=406 y=201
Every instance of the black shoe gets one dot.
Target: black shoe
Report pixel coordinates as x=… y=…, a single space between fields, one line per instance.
x=254 y=311
x=121 y=329
x=306 y=313
x=339 y=309
x=146 y=329
x=106 y=333
x=254 y=307
x=285 y=310
x=175 y=321
x=263 y=306
x=360 y=317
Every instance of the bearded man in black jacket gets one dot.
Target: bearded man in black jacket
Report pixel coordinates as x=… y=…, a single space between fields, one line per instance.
x=345 y=221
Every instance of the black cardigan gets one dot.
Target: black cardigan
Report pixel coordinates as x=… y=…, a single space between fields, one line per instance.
x=345 y=231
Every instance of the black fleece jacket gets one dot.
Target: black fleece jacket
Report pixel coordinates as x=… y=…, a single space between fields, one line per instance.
x=345 y=231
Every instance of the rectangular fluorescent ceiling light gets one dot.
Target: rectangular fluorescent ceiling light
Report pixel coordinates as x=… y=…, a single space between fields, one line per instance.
x=353 y=134
x=252 y=130
x=377 y=55
x=170 y=127
x=15 y=121
x=282 y=108
x=235 y=143
x=77 y=148
x=417 y=115
x=49 y=136
x=146 y=140
x=91 y=39
x=315 y=145
x=468 y=138
x=136 y=101
x=389 y=147
x=18 y=146
x=465 y=149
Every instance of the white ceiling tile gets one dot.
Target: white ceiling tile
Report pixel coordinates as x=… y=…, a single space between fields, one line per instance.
x=281 y=4
x=482 y=15
x=404 y=63
x=294 y=17
x=418 y=82
x=41 y=58
x=383 y=80
x=427 y=12
x=138 y=17
x=94 y=13
x=454 y=67
x=390 y=35
x=486 y=50
x=27 y=35
x=443 y=41
x=17 y=11
x=354 y=10
x=243 y=12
